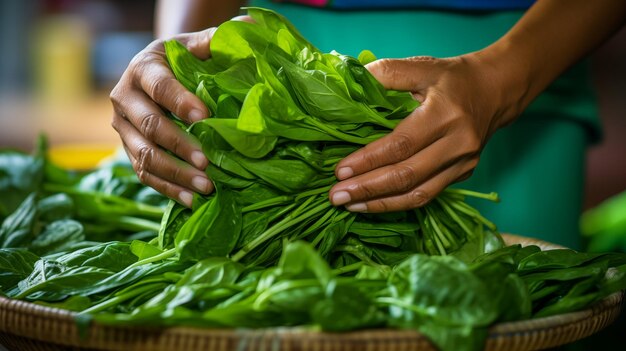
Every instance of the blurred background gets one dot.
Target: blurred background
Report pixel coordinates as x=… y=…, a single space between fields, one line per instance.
x=61 y=58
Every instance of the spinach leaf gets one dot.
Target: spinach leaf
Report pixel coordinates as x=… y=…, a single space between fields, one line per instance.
x=19 y=228
x=15 y=265
x=212 y=230
x=57 y=236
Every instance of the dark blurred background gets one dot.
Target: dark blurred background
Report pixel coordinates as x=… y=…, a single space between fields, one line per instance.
x=61 y=58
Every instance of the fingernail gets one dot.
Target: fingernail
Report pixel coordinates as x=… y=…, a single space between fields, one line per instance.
x=199 y=160
x=201 y=184
x=195 y=115
x=340 y=198
x=344 y=172
x=357 y=207
x=186 y=198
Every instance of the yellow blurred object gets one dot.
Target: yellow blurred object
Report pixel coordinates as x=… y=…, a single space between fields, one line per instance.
x=62 y=45
x=80 y=157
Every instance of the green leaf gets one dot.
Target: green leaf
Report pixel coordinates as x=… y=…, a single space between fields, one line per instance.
x=57 y=236
x=184 y=64
x=366 y=57
x=238 y=79
x=248 y=144
x=144 y=250
x=15 y=265
x=212 y=230
x=19 y=228
x=20 y=175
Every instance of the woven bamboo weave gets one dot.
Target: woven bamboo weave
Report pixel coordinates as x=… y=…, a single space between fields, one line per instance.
x=28 y=327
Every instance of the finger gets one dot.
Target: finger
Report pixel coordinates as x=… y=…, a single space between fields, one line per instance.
x=152 y=160
x=400 y=177
x=157 y=80
x=391 y=179
x=416 y=197
x=413 y=134
x=171 y=190
x=410 y=74
x=198 y=43
x=149 y=120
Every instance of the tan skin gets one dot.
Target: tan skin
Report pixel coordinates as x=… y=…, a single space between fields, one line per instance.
x=465 y=99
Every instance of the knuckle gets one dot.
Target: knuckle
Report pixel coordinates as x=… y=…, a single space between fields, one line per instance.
x=422 y=58
x=143 y=163
x=384 y=67
x=167 y=189
x=401 y=145
x=114 y=95
x=157 y=88
x=361 y=191
x=149 y=125
x=175 y=174
x=177 y=145
x=115 y=122
x=118 y=94
x=418 y=197
x=381 y=206
x=402 y=177
x=179 y=104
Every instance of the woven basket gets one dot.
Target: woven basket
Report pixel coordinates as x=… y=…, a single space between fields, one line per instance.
x=28 y=327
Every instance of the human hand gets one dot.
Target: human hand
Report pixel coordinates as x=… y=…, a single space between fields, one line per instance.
x=146 y=89
x=463 y=104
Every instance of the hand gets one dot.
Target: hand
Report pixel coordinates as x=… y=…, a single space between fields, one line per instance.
x=438 y=144
x=146 y=89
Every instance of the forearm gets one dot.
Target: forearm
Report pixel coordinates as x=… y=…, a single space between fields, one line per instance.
x=182 y=16
x=549 y=38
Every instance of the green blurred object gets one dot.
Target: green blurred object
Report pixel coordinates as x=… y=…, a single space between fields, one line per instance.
x=604 y=226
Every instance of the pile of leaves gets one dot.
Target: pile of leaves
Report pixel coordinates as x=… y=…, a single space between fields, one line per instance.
x=267 y=248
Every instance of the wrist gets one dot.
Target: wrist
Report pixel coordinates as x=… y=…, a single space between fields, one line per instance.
x=507 y=78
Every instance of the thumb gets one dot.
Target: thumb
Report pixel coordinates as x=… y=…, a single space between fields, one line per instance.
x=409 y=74
x=198 y=43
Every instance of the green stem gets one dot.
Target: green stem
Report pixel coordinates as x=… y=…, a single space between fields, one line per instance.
x=283 y=286
x=490 y=196
x=135 y=223
x=311 y=192
x=337 y=134
x=349 y=268
x=267 y=203
x=140 y=208
x=472 y=212
x=123 y=297
x=390 y=301
x=160 y=257
x=443 y=239
x=284 y=224
x=318 y=224
x=358 y=253
x=454 y=216
x=339 y=216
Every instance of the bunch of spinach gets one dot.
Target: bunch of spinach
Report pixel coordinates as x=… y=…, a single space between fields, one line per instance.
x=267 y=249
x=283 y=115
